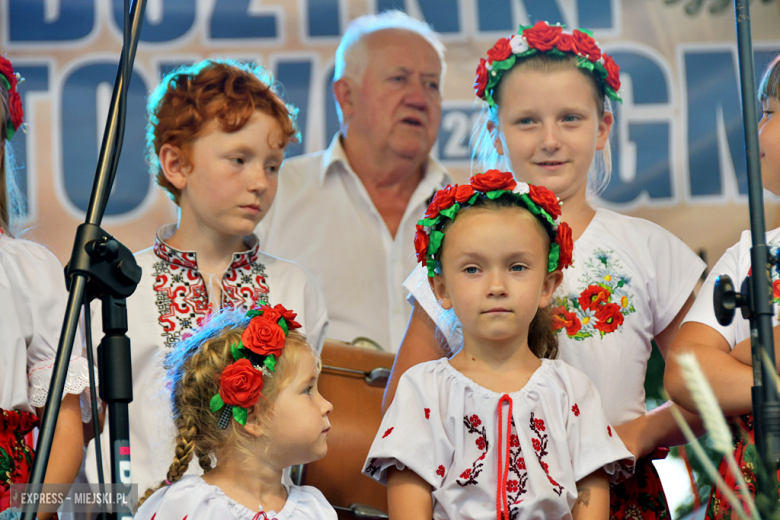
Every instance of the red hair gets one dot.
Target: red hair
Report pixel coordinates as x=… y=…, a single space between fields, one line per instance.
x=191 y=96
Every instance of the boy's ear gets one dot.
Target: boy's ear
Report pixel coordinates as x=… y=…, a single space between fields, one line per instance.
x=494 y=133
x=440 y=291
x=551 y=283
x=174 y=165
x=342 y=91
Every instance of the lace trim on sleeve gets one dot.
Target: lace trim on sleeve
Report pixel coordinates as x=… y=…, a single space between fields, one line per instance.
x=76 y=382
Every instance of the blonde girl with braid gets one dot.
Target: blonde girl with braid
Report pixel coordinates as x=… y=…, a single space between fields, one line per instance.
x=245 y=402
x=32 y=307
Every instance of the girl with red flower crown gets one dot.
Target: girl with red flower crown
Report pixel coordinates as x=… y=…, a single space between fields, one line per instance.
x=724 y=351
x=245 y=401
x=496 y=423
x=547 y=119
x=32 y=307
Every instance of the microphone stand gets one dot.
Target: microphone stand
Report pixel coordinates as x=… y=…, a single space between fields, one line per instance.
x=100 y=267
x=756 y=293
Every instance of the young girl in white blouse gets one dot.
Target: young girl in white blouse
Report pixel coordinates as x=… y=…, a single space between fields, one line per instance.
x=546 y=117
x=245 y=401
x=32 y=307
x=501 y=429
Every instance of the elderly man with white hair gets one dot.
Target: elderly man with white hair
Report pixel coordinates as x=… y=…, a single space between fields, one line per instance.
x=348 y=213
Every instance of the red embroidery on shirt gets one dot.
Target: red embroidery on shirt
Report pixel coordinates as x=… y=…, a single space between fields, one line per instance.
x=182 y=296
x=427 y=413
x=470 y=475
x=609 y=431
x=540 y=449
x=576 y=410
x=440 y=471
x=388 y=432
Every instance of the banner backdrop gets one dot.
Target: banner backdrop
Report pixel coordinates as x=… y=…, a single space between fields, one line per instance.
x=678 y=142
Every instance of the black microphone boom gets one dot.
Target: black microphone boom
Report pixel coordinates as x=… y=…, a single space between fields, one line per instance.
x=100 y=267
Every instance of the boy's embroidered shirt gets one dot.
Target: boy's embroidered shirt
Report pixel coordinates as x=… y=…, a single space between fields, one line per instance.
x=629 y=280
x=32 y=307
x=192 y=498
x=444 y=427
x=169 y=302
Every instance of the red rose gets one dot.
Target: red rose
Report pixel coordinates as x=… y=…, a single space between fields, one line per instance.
x=776 y=289
x=493 y=180
x=263 y=336
x=288 y=315
x=545 y=199
x=421 y=241
x=613 y=73
x=443 y=199
x=609 y=318
x=500 y=51
x=566 y=43
x=7 y=70
x=563 y=318
x=565 y=245
x=463 y=192
x=240 y=384
x=542 y=37
x=586 y=45
x=16 y=110
x=593 y=297
x=269 y=313
x=481 y=81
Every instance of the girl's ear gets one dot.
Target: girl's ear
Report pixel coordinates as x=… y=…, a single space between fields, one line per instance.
x=605 y=125
x=253 y=426
x=440 y=291
x=174 y=165
x=496 y=136
x=551 y=283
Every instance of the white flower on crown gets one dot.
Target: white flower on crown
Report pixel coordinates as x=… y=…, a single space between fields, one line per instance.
x=519 y=44
x=522 y=189
x=427 y=230
x=556 y=223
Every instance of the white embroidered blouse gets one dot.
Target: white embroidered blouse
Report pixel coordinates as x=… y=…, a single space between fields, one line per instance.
x=454 y=434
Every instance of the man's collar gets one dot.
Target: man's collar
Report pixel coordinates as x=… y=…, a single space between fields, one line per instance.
x=435 y=173
x=189 y=259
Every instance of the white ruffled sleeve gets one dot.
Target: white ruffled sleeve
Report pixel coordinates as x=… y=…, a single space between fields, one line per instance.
x=593 y=443
x=412 y=434
x=34 y=283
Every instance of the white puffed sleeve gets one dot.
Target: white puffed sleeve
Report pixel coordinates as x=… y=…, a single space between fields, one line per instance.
x=33 y=298
x=593 y=443
x=412 y=433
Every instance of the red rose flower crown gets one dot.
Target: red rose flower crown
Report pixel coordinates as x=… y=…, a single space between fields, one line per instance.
x=549 y=39
x=541 y=202
x=9 y=80
x=254 y=357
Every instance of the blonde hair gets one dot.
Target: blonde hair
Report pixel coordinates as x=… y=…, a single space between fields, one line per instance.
x=194 y=369
x=484 y=152
x=11 y=203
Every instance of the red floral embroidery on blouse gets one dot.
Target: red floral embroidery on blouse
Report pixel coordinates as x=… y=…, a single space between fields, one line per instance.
x=475 y=421
x=470 y=475
x=388 y=432
x=427 y=413
x=512 y=486
x=440 y=471
x=609 y=431
x=514 y=442
x=540 y=450
x=466 y=473
x=575 y=410
x=521 y=463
